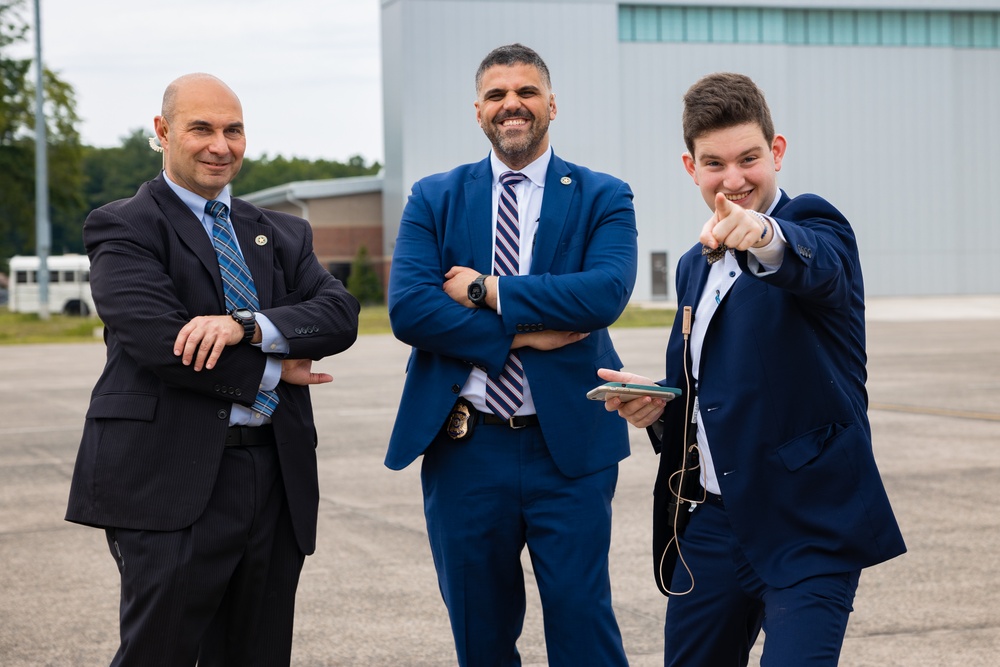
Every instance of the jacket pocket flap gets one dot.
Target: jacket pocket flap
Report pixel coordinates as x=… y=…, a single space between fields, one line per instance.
x=803 y=449
x=123 y=406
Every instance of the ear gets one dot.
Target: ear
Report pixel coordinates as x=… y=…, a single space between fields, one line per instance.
x=778 y=147
x=161 y=127
x=479 y=115
x=552 y=106
x=690 y=166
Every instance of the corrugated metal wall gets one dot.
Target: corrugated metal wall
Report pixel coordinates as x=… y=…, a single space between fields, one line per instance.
x=905 y=141
x=431 y=49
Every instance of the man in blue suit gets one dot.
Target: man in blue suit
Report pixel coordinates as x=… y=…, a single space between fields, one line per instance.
x=505 y=276
x=767 y=456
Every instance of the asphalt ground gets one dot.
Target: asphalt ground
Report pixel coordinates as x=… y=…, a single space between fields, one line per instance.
x=369 y=596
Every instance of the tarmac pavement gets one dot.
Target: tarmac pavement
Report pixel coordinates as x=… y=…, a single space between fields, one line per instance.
x=369 y=597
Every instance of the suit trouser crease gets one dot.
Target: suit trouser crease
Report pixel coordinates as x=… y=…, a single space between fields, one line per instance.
x=718 y=623
x=487 y=498
x=221 y=591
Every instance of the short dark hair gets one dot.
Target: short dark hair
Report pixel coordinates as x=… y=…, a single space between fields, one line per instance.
x=512 y=54
x=722 y=100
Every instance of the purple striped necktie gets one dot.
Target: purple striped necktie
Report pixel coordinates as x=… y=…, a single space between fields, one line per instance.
x=504 y=395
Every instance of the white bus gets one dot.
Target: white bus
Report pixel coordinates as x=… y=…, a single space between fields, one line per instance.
x=69 y=285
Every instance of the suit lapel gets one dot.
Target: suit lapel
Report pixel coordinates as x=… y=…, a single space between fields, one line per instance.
x=699 y=276
x=257 y=245
x=248 y=226
x=189 y=229
x=782 y=200
x=479 y=213
x=556 y=197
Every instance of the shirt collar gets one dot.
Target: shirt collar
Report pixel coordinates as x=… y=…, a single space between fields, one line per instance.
x=196 y=202
x=534 y=172
x=777 y=198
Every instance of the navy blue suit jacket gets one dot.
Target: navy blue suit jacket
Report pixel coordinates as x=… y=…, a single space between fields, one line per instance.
x=156 y=429
x=582 y=273
x=782 y=394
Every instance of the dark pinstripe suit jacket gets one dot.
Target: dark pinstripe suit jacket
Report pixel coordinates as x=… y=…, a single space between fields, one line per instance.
x=154 y=433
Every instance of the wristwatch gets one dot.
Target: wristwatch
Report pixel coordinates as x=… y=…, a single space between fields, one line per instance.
x=477 y=291
x=246 y=317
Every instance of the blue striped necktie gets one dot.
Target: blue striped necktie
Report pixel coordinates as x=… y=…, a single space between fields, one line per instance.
x=505 y=394
x=237 y=283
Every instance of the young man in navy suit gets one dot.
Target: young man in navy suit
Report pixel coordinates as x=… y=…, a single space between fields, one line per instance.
x=505 y=276
x=767 y=455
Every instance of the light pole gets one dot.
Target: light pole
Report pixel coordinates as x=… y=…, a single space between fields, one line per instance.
x=43 y=240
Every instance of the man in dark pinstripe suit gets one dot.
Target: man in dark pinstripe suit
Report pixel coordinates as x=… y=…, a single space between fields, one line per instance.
x=209 y=505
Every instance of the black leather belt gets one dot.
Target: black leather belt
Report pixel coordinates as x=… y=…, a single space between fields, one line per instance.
x=520 y=421
x=250 y=436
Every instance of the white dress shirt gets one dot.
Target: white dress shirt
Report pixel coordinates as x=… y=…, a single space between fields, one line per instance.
x=529 y=207
x=272 y=342
x=721 y=277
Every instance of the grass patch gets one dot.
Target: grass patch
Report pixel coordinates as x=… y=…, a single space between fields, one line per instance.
x=23 y=328
x=635 y=317
x=375 y=319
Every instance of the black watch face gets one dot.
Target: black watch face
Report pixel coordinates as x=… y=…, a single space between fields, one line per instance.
x=475 y=292
x=243 y=314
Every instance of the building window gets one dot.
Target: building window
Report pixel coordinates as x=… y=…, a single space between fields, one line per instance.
x=809 y=27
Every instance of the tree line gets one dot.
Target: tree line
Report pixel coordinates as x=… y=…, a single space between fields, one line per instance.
x=82 y=178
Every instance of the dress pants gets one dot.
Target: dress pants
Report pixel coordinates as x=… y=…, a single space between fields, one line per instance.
x=487 y=497
x=717 y=623
x=221 y=591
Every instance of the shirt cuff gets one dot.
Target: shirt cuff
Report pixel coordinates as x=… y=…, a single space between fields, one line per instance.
x=271 y=340
x=767 y=259
x=498 y=296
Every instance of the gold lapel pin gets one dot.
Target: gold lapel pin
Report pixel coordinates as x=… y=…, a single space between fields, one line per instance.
x=565 y=180
x=261 y=240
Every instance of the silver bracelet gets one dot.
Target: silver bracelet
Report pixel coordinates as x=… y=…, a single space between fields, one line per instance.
x=763 y=222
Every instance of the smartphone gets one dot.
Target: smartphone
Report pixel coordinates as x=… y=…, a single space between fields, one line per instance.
x=626 y=392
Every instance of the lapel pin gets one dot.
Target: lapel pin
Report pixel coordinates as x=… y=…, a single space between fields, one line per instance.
x=261 y=240
x=565 y=180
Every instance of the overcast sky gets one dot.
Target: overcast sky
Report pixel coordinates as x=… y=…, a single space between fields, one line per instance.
x=308 y=72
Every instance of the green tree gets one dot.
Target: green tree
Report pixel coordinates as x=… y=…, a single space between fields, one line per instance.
x=17 y=148
x=116 y=173
x=363 y=282
x=268 y=172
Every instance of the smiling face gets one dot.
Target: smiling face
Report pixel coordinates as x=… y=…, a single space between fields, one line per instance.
x=738 y=162
x=201 y=131
x=514 y=109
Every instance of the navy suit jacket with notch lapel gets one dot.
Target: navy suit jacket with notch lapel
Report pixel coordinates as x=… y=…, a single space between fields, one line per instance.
x=782 y=393
x=582 y=273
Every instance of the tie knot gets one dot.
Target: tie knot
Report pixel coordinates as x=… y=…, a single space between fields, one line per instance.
x=511 y=178
x=217 y=209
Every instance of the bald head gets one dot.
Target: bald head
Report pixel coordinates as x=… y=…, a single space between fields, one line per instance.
x=181 y=83
x=200 y=127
